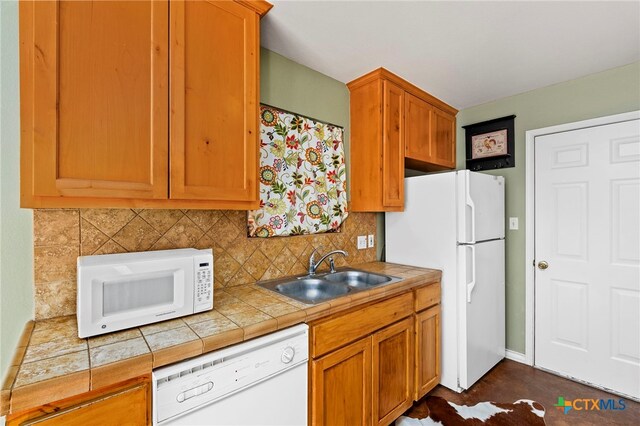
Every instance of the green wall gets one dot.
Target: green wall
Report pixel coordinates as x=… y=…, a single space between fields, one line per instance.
x=610 y=92
x=16 y=237
x=294 y=87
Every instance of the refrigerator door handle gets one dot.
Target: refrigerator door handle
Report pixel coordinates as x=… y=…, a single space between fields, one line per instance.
x=472 y=284
x=469 y=202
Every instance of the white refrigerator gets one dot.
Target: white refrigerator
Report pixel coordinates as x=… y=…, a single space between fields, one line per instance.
x=454 y=221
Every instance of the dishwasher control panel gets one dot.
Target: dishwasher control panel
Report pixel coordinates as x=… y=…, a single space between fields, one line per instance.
x=184 y=386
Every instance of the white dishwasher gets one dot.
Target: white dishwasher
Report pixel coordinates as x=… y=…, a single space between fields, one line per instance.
x=259 y=382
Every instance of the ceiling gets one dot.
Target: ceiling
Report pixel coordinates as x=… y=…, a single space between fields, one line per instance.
x=465 y=53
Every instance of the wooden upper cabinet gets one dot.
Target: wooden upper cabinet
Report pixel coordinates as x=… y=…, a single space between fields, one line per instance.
x=443 y=137
x=395 y=124
x=393 y=146
x=140 y=103
x=430 y=136
x=214 y=101
x=94 y=99
x=366 y=147
x=418 y=115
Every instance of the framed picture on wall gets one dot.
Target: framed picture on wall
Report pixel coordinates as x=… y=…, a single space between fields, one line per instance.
x=490 y=144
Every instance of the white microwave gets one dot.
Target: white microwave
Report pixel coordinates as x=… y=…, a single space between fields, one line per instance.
x=118 y=291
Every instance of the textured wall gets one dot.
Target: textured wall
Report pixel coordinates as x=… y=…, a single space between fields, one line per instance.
x=61 y=235
x=610 y=92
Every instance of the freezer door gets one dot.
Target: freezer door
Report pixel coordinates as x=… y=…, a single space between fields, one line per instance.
x=427 y=218
x=481 y=314
x=480 y=207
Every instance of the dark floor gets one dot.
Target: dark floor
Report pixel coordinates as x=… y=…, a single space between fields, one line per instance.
x=510 y=381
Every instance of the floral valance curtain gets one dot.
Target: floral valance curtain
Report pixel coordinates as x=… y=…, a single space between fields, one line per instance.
x=302 y=176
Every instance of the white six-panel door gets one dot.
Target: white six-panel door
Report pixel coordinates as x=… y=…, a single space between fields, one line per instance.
x=587 y=229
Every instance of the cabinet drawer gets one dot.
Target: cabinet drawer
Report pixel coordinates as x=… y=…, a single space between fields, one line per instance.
x=338 y=331
x=128 y=403
x=427 y=296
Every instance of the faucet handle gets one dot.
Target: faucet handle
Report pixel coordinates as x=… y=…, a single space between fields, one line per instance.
x=332 y=266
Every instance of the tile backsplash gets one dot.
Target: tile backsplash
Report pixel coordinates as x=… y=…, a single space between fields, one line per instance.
x=61 y=235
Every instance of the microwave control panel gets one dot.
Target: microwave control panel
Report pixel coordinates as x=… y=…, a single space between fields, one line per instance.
x=203 y=295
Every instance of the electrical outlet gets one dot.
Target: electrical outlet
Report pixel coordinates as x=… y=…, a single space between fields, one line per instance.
x=513 y=223
x=370 y=241
x=362 y=242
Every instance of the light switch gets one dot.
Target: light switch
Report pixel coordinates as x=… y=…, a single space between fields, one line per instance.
x=362 y=242
x=370 y=241
x=513 y=223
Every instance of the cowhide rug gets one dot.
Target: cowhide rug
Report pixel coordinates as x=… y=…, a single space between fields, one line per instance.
x=434 y=410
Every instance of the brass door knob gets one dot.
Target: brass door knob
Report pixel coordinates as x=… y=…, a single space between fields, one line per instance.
x=543 y=265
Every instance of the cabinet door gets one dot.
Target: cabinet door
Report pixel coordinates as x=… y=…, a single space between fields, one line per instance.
x=429 y=135
x=94 y=106
x=214 y=101
x=443 y=139
x=366 y=146
x=418 y=116
x=392 y=360
x=341 y=386
x=427 y=371
x=393 y=146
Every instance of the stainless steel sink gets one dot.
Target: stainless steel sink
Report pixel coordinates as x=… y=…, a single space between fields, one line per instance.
x=358 y=279
x=323 y=287
x=311 y=290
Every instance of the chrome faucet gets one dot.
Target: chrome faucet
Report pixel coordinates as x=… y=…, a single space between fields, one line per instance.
x=313 y=265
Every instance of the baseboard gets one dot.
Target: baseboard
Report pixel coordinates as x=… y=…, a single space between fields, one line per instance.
x=515 y=356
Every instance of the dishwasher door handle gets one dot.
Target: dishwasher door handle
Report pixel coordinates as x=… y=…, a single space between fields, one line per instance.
x=198 y=390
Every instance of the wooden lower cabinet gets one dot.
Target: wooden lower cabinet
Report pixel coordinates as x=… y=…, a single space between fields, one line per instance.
x=369 y=364
x=427 y=351
x=368 y=382
x=392 y=371
x=341 y=386
x=126 y=404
